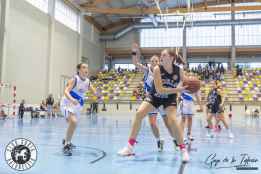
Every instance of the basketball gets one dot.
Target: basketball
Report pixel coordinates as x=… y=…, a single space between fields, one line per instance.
x=193 y=83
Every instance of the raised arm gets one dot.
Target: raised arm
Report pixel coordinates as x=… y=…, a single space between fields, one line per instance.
x=136 y=57
x=160 y=88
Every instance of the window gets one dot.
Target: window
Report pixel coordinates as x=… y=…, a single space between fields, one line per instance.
x=196 y=65
x=163 y=18
x=201 y=16
x=66 y=15
x=248 y=15
x=125 y=66
x=249 y=65
x=248 y=34
x=209 y=36
x=40 y=4
x=161 y=37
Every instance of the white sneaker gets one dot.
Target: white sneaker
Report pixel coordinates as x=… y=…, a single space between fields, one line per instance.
x=176 y=146
x=190 y=138
x=186 y=141
x=126 y=151
x=184 y=155
x=210 y=135
x=230 y=135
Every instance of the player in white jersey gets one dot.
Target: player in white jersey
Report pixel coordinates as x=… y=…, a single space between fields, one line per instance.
x=72 y=102
x=148 y=81
x=187 y=111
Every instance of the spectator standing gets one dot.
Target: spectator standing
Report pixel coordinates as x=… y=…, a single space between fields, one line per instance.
x=49 y=103
x=21 y=110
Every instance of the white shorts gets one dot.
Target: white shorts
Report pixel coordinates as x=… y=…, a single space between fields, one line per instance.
x=68 y=107
x=186 y=108
x=160 y=110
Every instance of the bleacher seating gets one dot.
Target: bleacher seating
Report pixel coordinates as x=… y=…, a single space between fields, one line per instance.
x=115 y=87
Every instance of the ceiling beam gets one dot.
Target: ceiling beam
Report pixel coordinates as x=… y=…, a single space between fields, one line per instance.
x=137 y=11
x=119 y=34
x=117 y=24
x=206 y=4
x=70 y=4
x=92 y=21
x=94 y=3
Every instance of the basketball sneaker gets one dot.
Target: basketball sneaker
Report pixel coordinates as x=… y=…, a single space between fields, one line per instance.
x=230 y=134
x=210 y=134
x=71 y=144
x=160 y=144
x=184 y=155
x=67 y=150
x=126 y=151
x=190 y=137
x=176 y=146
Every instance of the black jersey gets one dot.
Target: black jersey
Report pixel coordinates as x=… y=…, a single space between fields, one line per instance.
x=213 y=102
x=214 y=98
x=168 y=81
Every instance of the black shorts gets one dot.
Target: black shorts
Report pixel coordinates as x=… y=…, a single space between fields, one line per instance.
x=215 y=109
x=165 y=102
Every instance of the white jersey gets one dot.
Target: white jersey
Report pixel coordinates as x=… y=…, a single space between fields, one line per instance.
x=148 y=79
x=78 y=93
x=187 y=97
x=81 y=86
x=186 y=104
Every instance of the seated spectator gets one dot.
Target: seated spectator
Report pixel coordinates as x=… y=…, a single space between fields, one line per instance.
x=256 y=113
x=43 y=109
x=56 y=109
x=43 y=106
x=3 y=115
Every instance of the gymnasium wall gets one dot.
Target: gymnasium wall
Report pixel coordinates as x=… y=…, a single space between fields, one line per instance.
x=0 y=10
x=26 y=51
x=26 y=62
x=92 y=48
x=65 y=48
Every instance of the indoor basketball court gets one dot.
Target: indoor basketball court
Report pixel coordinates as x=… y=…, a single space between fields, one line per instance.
x=130 y=86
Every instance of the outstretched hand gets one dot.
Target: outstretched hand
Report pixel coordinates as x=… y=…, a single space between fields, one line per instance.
x=135 y=47
x=181 y=88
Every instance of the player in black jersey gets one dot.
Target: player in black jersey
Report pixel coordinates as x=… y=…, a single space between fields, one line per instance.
x=215 y=109
x=167 y=83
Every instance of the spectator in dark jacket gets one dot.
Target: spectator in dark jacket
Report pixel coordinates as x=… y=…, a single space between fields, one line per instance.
x=49 y=103
x=21 y=109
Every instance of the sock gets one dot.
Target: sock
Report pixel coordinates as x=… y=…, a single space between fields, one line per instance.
x=158 y=139
x=132 y=141
x=228 y=130
x=182 y=146
x=67 y=142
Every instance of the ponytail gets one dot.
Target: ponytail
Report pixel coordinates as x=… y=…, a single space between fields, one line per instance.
x=78 y=67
